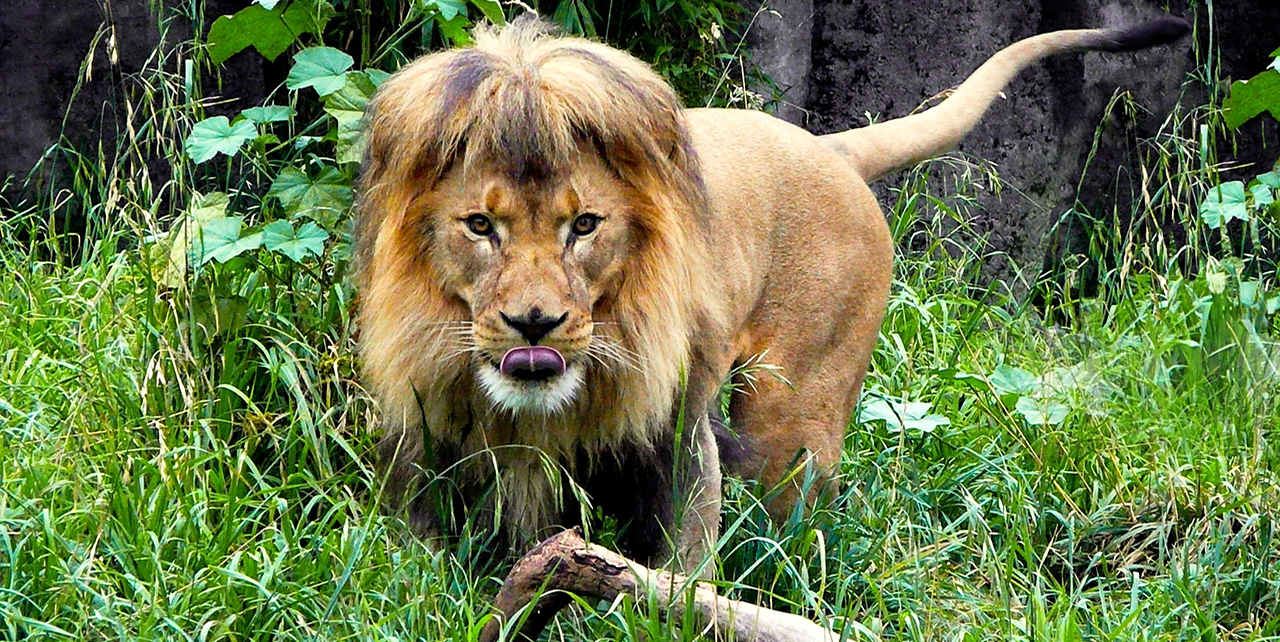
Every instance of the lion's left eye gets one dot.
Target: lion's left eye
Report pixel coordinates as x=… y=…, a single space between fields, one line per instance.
x=479 y=224
x=585 y=224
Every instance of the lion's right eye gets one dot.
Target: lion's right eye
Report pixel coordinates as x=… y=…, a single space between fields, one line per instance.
x=479 y=224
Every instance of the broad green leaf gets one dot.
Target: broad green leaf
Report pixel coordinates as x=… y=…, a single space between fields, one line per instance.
x=269 y=29
x=455 y=28
x=269 y=113
x=254 y=26
x=213 y=136
x=217 y=316
x=1216 y=280
x=1223 y=203
x=308 y=16
x=1270 y=179
x=898 y=416
x=1262 y=196
x=301 y=141
x=347 y=106
x=491 y=10
x=969 y=378
x=447 y=9
x=220 y=240
x=279 y=236
x=321 y=68
x=177 y=250
x=206 y=207
x=378 y=76
x=1252 y=97
x=322 y=198
x=267 y=4
x=1249 y=293
x=1041 y=412
x=1010 y=380
x=262 y=142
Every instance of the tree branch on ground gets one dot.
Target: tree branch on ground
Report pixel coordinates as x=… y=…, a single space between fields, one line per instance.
x=565 y=563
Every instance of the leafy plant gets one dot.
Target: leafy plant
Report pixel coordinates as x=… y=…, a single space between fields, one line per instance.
x=1255 y=96
x=696 y=46
x=900 y=416
x=1234 y=200
x=217 y=135
x=269 y=26
x=1028 y=395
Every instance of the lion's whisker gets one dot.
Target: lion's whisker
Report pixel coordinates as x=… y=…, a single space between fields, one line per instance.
x=460 y=351
x=622 y=351
x=594 y=354
x=604 y=348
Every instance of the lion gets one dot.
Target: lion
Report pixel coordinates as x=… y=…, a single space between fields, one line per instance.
x=559 y=266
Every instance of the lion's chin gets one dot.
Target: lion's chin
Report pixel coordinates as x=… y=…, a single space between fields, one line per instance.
x=548 y=396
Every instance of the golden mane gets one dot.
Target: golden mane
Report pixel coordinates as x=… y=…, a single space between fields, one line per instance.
x=522 y=98
x=524 y=102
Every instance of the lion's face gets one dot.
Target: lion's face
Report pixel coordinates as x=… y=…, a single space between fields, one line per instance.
x=535 y=262
x=525 y=245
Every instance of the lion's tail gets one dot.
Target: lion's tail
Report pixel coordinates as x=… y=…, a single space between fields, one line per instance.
x=884 y=147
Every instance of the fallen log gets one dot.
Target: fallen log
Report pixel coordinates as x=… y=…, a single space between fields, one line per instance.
x=565 y=563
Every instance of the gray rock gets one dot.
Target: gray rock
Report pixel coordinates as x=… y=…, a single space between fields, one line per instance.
x=780 y=38
x=65 y=70
x=871 y=59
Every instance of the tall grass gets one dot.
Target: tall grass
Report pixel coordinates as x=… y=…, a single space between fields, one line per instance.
x=194 y=462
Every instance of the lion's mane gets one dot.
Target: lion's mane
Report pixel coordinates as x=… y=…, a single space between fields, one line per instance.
x=524 y=102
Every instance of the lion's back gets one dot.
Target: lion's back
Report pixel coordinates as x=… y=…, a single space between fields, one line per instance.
x=782 y=202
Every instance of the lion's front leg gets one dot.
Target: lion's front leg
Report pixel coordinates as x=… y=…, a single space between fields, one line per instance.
x=665 y=497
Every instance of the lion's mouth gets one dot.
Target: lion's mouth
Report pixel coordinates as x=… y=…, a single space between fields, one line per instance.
x=532 y=363
x=531 y=378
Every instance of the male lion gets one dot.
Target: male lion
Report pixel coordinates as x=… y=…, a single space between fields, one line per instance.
x=559 y=264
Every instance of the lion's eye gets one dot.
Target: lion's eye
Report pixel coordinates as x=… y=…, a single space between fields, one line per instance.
x=480 y=225
x=585 y=224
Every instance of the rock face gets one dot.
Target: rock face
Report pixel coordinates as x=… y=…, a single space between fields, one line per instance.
x=781 y=39
x=42 y=47
x=885 y=59
x=72 y=62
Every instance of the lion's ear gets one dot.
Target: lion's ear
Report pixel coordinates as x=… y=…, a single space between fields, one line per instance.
x=682 y=154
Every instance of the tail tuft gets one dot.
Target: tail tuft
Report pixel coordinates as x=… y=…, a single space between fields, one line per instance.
x=1161 y=31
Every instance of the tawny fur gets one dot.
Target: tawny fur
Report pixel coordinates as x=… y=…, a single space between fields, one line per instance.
x=727 y=233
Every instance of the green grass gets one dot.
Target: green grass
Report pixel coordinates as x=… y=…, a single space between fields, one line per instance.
x=159 y=483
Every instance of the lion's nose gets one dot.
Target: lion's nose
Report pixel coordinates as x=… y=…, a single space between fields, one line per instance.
x=535 y=325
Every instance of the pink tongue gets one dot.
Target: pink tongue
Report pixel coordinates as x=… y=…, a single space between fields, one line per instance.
x=532 y=362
